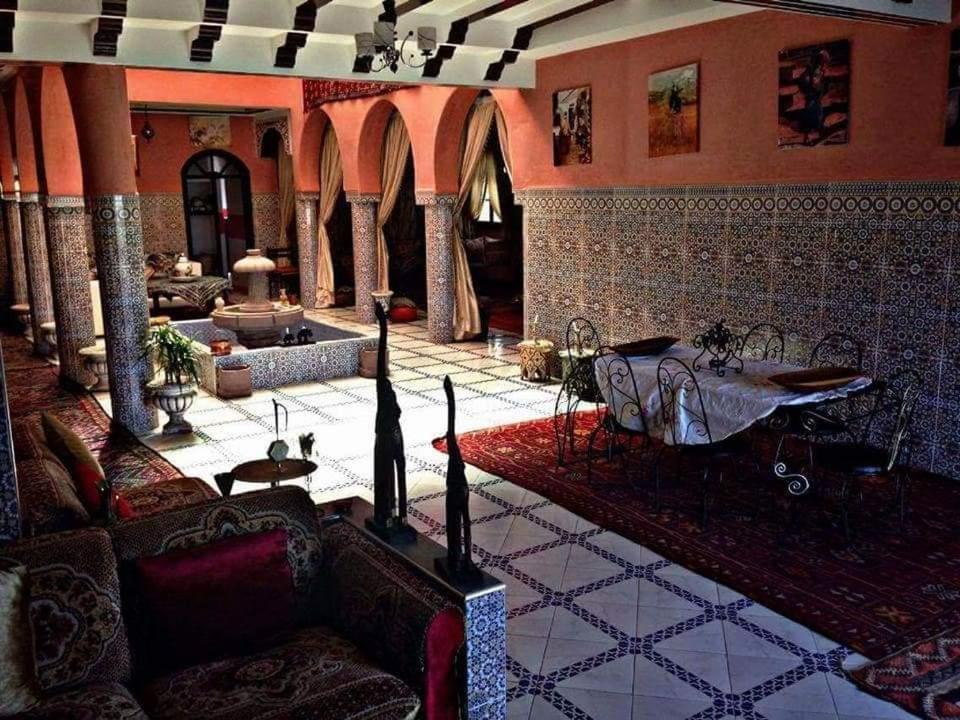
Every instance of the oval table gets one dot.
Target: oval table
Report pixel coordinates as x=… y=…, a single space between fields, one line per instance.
x=266 y=472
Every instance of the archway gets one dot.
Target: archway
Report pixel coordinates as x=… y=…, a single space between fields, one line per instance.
x=218 y=207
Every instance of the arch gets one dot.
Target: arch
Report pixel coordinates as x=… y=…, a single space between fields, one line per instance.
x=311 y=141
x=271 y=143
x=58 y=134
x=369 y=147
x=7 y=173
x=452 y=124
x=209 y=205
x=25 y=149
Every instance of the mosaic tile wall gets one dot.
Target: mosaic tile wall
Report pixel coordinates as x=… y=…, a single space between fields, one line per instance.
x=9 y=504
x=880 y=261
x=164 y=225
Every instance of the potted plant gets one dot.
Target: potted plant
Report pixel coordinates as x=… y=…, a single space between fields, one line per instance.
x=174 y=354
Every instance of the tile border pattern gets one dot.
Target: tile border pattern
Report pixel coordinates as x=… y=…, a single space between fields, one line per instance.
x=878 y=260
x=307 y=247
x=18 y=264
x=363 y=209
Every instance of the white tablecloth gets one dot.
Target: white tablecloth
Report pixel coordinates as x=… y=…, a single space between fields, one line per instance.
x=733 y=402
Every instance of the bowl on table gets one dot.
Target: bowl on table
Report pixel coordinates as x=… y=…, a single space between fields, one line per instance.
x=813 y=380
x=647 y=346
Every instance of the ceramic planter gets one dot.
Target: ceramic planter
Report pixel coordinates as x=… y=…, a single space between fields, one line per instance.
x=175 y=400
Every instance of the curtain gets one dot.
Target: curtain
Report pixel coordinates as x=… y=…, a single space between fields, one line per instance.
x=393 y=162
x=288 y=199
x=477 y=191
x=492 y=184
x=331 y=182
x=504 y=142
x=466 y=310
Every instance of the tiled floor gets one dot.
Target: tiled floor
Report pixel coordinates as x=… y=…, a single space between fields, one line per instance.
x=599 y=627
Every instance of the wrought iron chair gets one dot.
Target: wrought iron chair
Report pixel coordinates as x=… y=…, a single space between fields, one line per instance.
x=837 y=349
x=624 y=422
x=763 y=342
x=687 y=430
x=579 y=385
x=882 y=449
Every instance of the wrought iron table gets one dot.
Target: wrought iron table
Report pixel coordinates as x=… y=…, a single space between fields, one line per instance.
x=265 y=471
x=199 y=292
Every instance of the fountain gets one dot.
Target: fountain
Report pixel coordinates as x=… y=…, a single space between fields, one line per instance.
x=257 y=322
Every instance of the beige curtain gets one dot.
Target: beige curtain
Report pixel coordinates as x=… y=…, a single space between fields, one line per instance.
x=286 y=194
x=477 y=191
x=331 y=182
x=396 y=148
x=504 y=142
x=492 y=185
x=466 y=311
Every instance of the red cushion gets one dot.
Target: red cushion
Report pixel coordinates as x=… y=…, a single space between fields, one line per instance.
x=400 y=313
x=229 y=597
x=88 y=482
x=445 y=636
x=123 y=508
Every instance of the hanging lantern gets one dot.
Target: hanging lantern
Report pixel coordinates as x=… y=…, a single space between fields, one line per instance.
x=146 y=131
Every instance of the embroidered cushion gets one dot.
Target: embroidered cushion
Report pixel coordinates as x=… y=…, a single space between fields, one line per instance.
x=198 y=604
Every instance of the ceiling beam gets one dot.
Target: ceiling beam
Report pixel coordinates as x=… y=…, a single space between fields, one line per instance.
x=521 y=40
x=108 y=27
x=204 y=38
x=8 y=19
x=286 y=54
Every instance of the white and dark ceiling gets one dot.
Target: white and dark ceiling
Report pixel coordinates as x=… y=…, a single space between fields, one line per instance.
x=481 y=42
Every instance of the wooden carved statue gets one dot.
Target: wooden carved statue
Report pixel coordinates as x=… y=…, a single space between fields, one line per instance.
x=458 y=565
x=389 y=521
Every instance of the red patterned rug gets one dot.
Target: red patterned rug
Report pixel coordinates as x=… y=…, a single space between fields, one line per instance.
x=924 y=679
x=33 y=387
x=884 y=592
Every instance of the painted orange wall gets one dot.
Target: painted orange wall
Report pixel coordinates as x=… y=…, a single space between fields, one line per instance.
x=898 y=101
x=162 y=159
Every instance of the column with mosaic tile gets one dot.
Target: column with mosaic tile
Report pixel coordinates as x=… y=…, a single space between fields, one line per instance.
x=38 y=269
x=307 y=247
x=5 y=269
x=70 y=284
x=9 y=502
x=364 y=213
x=438 y=224
x=14 y=239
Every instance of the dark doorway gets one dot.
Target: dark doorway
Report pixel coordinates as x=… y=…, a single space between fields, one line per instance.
x=340 y=230
x=405 y=235
x=216 y=200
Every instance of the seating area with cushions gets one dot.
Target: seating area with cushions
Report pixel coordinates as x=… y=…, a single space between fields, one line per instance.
x=236 y=609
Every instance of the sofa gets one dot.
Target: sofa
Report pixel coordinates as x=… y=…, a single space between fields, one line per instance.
x=49 y=501
x=122 y=631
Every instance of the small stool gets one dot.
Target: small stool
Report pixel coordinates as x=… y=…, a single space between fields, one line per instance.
x=95 y=357
x=22 y=311
x=535 y=360
x=234 y=382
x=159 y=321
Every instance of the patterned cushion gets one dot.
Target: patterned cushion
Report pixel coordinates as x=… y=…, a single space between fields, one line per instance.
x=158 y=497
x=315 y=675
x=97 y=701
x=289 y=508
x=79 y=633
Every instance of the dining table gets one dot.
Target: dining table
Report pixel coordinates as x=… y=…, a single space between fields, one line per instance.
x=733 y=401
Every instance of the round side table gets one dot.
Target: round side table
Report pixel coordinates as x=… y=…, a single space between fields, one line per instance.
x=535 y=358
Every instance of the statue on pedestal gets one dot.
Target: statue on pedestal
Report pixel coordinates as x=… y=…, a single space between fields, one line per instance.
x=458 y=564
x=389 y=521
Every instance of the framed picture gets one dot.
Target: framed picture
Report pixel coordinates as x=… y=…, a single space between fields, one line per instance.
x=815 y=95
x=673 y=98
x=572 y=127
x=210 y=131
x=952 y=137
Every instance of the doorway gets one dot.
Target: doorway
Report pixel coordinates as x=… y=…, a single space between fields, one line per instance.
x=218 y=207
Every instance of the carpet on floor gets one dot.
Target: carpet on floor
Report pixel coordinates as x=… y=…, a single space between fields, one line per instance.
x=33 y=387
x=882 y=593
x=507 y=317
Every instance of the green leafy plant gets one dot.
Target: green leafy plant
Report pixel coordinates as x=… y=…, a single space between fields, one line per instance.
x=174 y=353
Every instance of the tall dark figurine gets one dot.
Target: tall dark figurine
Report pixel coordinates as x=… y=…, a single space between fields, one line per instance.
x=389 y=521
x=458 y=565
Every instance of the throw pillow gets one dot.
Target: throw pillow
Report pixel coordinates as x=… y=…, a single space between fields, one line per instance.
x=68 y=446
x=73 y=510
x=225 y=598
x=19 y=687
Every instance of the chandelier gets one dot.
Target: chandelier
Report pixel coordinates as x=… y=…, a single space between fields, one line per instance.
x=378 y=50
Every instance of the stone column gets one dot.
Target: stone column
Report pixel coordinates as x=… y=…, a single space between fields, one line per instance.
x=438 y=223
x=363 y=209
x=70 y=283
x=38 y=268
x=307 y=247
x=118 y=239
x=18 y=266
x=5 y=281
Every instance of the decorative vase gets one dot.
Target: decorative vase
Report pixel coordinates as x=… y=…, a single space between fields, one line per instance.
x=175 y=400
x=382 y=298
x=183 y=267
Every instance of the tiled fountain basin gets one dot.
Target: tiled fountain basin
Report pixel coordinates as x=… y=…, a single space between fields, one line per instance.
x=334 y=353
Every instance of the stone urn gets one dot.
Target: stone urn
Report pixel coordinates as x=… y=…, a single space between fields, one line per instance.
x=175 y=399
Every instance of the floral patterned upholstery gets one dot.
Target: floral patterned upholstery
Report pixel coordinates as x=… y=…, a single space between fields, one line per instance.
x=97 y=701
x=374 y=599
x=316 y=675
x=79 y=634
x=158 y=497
